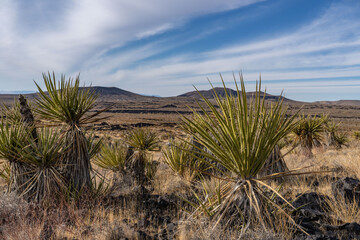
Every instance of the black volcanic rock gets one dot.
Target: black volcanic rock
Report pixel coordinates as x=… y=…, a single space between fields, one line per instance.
x=348 y=188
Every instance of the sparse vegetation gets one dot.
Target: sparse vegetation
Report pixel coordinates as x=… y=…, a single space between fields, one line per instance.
x=179 y=157
x=217 y=180
x=308 y=133
x=335 y=138
x=142 y=142
x=112 y=156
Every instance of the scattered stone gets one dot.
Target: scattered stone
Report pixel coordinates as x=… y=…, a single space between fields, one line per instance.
x=347 y=188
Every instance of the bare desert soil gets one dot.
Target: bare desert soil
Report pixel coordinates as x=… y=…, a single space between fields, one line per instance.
x=164 y=114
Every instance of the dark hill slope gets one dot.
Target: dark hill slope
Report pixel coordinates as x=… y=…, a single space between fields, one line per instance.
x=209 y=94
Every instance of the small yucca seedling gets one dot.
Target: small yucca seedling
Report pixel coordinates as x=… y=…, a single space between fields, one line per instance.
x=308 y=133
x=335 y=138
x=240 y=136
x=112 y=157
x=141 y=141
x=356 y=135
x=179 y=158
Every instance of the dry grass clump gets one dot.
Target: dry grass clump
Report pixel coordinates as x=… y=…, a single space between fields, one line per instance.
x=342 y=210
x=344 y=161
x=202 y=229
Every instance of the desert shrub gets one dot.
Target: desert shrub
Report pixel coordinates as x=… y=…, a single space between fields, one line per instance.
x=308 y=133
x=240 y=135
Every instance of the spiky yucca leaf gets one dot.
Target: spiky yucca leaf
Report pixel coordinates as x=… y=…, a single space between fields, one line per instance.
x=5 y=172
x=177 y=156
x=11 y=114
x=93 y=144
x=65 y=102
x=12 y=137
x=240 y=136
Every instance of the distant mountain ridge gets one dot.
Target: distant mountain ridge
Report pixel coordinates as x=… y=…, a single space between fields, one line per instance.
x=209 y=94
x=114 y=93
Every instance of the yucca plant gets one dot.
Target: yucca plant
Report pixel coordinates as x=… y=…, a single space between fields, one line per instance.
x=356 y=135
x=13 y=137
x=335 y=138
x=240 y=135
x=66 y=104
x=141 y=141
x=112 y=157
x=44 y=160
x=178 y=157
x=308 y=133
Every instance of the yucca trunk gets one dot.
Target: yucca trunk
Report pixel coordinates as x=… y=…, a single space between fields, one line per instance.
x=306 y=149
x=27 y=117
x=138 y=167
x=274 y=164
x=76 y=159
x=332 y=140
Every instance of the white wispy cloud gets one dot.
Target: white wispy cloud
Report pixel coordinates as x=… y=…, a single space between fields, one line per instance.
x=83 y=36
x=329 y=47
x=42 y=35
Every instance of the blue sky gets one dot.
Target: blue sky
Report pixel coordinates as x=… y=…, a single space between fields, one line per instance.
x=310 y=49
